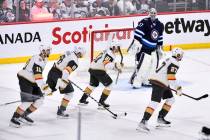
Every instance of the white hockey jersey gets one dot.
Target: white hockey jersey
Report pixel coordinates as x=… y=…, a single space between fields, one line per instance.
x=166 y=72
x=33 y=69
x=68 y=61
x=103 y=61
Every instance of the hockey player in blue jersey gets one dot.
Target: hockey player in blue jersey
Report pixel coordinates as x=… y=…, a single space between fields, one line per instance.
x=148 y=38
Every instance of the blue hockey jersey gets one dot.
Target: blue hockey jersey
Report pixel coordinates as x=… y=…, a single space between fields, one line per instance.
x=149 y=34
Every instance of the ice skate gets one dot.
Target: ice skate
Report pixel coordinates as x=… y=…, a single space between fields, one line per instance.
x=61 y=114
x=161 y=122
x=103 y=105
x=15 y=122
x=83 y=102
x=26 y=120
x=205 y=133
x=142 y=127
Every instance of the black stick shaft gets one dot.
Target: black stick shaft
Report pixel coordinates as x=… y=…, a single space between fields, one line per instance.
x=93 y=99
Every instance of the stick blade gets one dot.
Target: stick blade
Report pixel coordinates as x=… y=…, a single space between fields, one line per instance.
x=204 y=96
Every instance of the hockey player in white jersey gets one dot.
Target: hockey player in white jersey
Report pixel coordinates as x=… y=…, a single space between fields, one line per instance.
x=58 y=77
x=32 y=87
x=97 y=70
x=162 y=80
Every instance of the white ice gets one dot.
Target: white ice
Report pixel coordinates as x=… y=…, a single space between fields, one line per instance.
x=187 y=115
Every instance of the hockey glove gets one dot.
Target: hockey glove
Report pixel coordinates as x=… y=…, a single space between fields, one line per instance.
x=179 y=91
x=46 y=90
x=119 y=66
x=61 y=84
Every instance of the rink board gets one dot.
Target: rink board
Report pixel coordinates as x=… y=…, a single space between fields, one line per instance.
x=20 y=41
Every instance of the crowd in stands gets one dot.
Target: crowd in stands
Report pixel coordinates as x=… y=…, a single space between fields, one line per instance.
x=38 y=10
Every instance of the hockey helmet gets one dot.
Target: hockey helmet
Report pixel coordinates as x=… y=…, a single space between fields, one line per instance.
x=152 y=13
x=79 y=51
x=45 y=50
x=115 y=45
x=177 y=53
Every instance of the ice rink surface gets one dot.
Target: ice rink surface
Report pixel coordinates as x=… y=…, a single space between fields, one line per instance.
x=187 y=115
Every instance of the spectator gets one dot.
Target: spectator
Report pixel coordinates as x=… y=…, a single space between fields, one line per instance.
x=144 y=6
x=39 y=12
x=53 y=8
x=81 y=9
x=66 y=9
x=129 y=7
x=136 y=4
x=98 y=9
x=6 y=14
x=112 y=7
x=24 y=13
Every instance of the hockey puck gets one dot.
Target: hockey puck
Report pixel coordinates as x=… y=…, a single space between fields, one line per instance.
x=125 y=113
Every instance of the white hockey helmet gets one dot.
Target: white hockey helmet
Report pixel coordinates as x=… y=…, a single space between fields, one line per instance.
x=45 y=50
x=79 y=51
x=177 y=53
x=152 y=13
x=115 y=45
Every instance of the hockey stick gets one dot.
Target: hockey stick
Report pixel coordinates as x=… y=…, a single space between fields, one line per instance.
x=8 y=103
x=115 y=116
x=131 y=42
x=194 y=98
x=121 y=62
x=25 y=93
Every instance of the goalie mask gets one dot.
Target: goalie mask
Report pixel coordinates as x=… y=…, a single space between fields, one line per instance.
x=177 y=53
x=79 y=51
x=152 y=13
x=45 y=50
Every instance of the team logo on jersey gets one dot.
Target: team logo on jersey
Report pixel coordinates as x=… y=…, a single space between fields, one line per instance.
x=154 y=34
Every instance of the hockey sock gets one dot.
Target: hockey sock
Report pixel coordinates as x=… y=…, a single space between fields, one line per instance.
x=16 y=115
x=164 y=111
x=64 y=104
x=19 y=111
x=29 y=110
x=148 y=113
x=104 y=95
x=86 y=92
x=84 y=97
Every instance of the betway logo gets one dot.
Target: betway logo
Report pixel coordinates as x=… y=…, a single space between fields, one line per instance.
x=180 y=25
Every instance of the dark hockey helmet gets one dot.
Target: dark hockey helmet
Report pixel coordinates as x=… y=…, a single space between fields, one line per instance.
x=177 y=53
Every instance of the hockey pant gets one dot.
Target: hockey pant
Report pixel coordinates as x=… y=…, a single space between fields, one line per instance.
x=146 y=66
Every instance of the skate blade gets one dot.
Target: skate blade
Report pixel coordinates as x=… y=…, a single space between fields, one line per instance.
x=14 y=125
x=203 y=136
x=102 y=108
x=82 y=104
x=142 y=130
x=61 y=117
x=23 y=122
x=163 y=125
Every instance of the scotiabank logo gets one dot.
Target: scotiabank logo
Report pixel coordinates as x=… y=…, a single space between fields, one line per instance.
x=67 y=37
